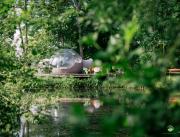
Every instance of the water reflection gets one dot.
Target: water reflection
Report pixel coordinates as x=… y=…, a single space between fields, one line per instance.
x=24 y=129
x=57 y=124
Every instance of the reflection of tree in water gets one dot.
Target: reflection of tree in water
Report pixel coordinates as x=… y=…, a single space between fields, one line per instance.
x=58 y=125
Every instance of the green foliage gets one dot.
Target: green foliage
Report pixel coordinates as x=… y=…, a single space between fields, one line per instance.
x=39 y=44
x=57 y=84
x=128 y=45
x=139 y=37
x=10 y=111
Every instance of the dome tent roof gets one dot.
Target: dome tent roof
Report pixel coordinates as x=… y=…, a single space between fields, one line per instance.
x=66 y=61
x=65 y=58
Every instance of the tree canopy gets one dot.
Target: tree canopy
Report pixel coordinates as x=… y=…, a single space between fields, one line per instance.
x=140 y=37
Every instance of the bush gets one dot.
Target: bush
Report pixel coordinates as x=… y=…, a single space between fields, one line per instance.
x=9 y=111
x=57 y=84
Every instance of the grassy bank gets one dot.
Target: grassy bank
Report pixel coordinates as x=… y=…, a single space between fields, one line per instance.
x=57 y=84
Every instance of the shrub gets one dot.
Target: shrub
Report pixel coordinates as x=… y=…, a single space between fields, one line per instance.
x=9 y=111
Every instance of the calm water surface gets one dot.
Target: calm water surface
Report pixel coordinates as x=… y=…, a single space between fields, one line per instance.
x=57 y=125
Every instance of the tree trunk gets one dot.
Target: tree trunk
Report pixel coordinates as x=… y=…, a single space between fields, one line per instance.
x=77 y=7
x=26 y=27
x=21 y=35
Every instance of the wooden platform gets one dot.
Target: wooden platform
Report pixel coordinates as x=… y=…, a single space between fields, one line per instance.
x=73 y=100
x=174 y=71
x=76 y=75
x=66 y=75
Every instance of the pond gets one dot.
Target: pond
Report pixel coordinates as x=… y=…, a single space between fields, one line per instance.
x=59 y=119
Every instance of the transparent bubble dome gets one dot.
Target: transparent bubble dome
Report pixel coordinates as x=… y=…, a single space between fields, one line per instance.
x=65 y=58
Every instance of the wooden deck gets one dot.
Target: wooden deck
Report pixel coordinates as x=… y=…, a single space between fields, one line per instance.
x=169 y=72
x=174 y=71
x=66 y=75
x=73 y=100
x=76 y=75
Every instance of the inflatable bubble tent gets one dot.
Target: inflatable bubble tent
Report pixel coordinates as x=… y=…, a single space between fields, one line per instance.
x=66 y=61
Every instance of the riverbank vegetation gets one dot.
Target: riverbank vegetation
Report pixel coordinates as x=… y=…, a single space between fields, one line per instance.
x=139 y=38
